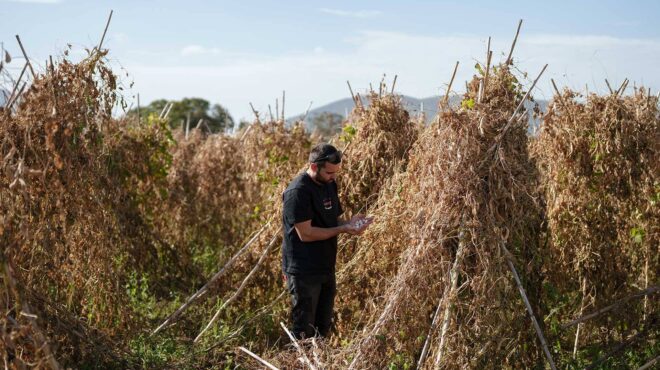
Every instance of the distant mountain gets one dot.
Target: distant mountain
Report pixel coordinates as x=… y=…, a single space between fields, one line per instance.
x=429 y=106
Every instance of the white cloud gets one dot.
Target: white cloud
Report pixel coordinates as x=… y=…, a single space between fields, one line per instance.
x=423 y=64
x=589 y=41
x=199 y=50
x=352 y=13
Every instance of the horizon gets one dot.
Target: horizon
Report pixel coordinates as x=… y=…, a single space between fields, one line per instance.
x=234 y=54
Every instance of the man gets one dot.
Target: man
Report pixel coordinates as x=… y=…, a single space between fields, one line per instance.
x=311 y=224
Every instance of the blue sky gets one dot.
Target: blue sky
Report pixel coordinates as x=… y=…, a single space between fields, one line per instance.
x=236 y=52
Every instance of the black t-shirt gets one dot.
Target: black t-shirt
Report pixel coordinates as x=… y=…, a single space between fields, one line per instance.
x=306 y=200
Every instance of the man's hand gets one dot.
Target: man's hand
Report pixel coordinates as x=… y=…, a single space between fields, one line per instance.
x=358 y=224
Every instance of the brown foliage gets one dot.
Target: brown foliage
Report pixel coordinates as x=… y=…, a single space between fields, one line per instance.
x=599 y=161
x=464 y=177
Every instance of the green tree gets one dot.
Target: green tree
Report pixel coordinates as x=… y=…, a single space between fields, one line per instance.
x=216 y=117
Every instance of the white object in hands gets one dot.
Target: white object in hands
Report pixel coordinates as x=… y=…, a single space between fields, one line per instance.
x=361 y=222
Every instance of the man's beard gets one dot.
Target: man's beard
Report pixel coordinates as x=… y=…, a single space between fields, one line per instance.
x=318 y=179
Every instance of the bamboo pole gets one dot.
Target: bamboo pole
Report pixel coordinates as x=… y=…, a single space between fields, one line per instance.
x=650 y=363
x=27 y=60
x=488 y=56
x=623 y=87
x=240 y=288
x=393 y=84
x=429 y=335
x=18 y=82
x=451 y=81
x=168 y=110
x=449 y=299
x=523 y=295
x=559 y=96
x=261 y=360
x=105 y=31
x=188 y=124
x=17 y=96
x=138 y=107
x=609 y=87
x=650 y=291
x=283 y=99
x=199 y=123
x=277 y=109
x=295 y=344
x=256 y=112
x=164 y=110
x=480 y=91
x=304 y=117
x=513 y=45
x=577 y=331
x=205 y=289
x=646 y=271
x=521 y=104
x=352 y=95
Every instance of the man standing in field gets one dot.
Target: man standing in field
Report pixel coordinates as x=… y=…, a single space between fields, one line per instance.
x=311 y=224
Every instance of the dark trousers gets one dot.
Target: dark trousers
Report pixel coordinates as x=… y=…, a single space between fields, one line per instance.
x=312 y=300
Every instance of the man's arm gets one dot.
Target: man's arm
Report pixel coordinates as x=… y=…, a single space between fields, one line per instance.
x=308 y=233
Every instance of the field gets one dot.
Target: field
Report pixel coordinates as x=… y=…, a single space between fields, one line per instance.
x=127 y=244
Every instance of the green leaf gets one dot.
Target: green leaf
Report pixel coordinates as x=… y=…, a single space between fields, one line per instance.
x=467 y=103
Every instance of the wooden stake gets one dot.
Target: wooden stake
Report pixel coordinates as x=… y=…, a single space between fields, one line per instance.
x=352 y=95
x=168 y=111
x=646 y=270
x=18 y=95
x=27 y=60
x=261 y=360
x=165 y=110
x=449 y=298
x=523 y=295
x=577 y=332
x=609 y=87
x=393 y=84
x=650 y=291
x=427 y=342
x=206 y=288
x=256 y=113
x=11 y=96
x=453 y=75
x=240 y=288
x=488 y=56
x=283 y=93
x=521 y=104
x=304 y=117
x=359 y=99
x=561 y=99
x=508 y=59
x=277 y=109
x=245 y=132
x=270 y=113
x=295 y=344
x=650 y=363
x=104 y=31
x=187 y=124
x=623 y=87
x=138 y=107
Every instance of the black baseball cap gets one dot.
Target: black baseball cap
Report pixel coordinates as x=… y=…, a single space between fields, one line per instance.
x=325 y=153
